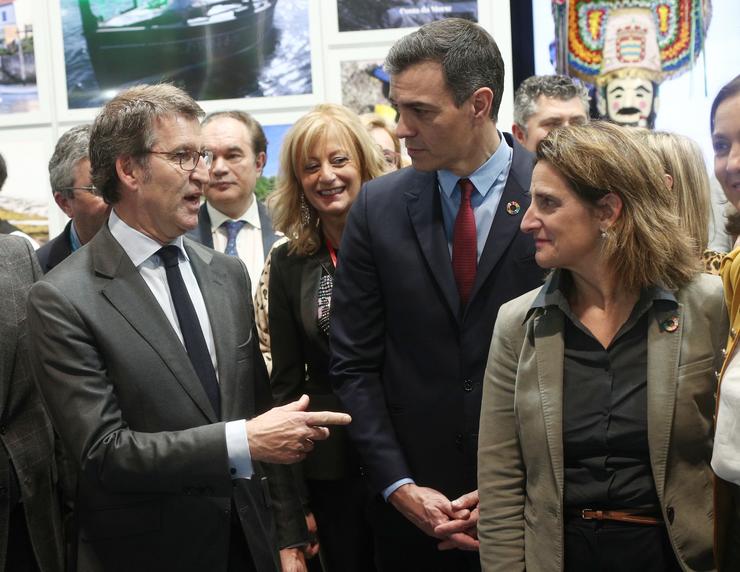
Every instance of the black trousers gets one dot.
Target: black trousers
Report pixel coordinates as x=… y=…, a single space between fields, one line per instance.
x=608 y=546
x=340 y=507
x=20 y=557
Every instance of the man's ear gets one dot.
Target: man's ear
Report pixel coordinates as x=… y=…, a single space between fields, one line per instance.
x=601 y=102
x=609 y=209
x=128 y=171
x=482 y=100
x=519 y=134
x=260 y=161
x=62 y=202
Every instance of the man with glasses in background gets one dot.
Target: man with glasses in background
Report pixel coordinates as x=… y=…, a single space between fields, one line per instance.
x=145 y=351
x=71 y=185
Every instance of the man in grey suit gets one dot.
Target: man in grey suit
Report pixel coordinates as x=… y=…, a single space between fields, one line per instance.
x=30 y=526
x=146 y=355
x=232 y=220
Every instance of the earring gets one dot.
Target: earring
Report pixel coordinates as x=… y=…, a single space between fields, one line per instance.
x=604 y=234
x=305 y=211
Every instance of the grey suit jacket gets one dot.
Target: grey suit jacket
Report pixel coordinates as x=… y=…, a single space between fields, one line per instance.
x=25 y=432
x=520 y=457
x=154 y=488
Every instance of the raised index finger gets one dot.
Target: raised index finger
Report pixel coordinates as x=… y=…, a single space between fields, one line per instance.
x=327 y=418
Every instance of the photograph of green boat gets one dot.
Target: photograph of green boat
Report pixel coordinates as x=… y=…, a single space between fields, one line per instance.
x=215 y=49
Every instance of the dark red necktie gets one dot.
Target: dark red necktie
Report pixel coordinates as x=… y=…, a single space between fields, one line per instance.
x=465 y=243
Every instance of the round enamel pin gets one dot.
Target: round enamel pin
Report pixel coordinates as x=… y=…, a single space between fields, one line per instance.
x=670 y=324
x=513 y=207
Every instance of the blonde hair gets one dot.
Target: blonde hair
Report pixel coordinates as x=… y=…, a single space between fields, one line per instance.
x=645 y=246
x=310 y=130
x=683 y=160
x=374 y=121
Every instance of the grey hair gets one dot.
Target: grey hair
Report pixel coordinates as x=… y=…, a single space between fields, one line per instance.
x=259 y=141
x=560 y=87
x=468 y=54
x=125 y=128
x=71 y=148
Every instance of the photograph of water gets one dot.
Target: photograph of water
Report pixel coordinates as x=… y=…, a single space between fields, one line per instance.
x=18 y=90
x=214 y=49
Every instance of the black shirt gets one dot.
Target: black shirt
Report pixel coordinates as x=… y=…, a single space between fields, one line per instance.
x=605 y=439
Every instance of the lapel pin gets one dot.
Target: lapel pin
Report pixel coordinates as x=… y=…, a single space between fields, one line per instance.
x=669 y=324
x=513 y=207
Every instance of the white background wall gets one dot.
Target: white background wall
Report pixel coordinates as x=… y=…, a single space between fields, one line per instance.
x=27 y=140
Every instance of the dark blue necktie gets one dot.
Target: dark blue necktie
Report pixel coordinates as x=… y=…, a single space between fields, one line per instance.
x=232 y=229
x=192 y=334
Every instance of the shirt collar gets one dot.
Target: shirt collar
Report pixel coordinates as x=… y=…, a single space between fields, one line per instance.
x=484 y=176
x=138 y=246
x=74 y=238
x=251 y=216
x=551 y=294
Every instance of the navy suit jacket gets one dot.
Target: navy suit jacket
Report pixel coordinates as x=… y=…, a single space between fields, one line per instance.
x=56 y=250
x=203 y=233
x=407 y=361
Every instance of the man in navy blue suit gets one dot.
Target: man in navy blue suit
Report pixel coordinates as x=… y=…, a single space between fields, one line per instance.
x=428 y=256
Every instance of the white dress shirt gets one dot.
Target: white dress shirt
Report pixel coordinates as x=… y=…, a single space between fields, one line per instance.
x=726 y=454
x=142 y=251
x=248 y=241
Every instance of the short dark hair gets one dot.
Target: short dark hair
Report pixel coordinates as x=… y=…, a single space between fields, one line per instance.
x=124 y=127
x=259 y=141
x=468 y=54
x=560 y=87
x=728 y=90
x=71 y=148
x=3 y=172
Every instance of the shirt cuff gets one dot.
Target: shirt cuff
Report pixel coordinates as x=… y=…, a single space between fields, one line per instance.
x=237 y=448
x=388 y=491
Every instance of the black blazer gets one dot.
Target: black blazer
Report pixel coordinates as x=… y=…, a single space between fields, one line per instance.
x=203 y=232
x=407 y=362
x=56 y=250
x=300 y=353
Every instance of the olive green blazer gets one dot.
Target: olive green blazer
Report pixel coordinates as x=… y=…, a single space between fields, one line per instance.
x=520 y=454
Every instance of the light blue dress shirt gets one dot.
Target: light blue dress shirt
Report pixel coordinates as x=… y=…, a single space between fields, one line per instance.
x=489 y=180
x=142 y=251
x=74 y=238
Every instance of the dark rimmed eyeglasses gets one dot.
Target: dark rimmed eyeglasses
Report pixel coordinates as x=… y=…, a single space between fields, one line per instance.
x=88 y=189
x=188 y=160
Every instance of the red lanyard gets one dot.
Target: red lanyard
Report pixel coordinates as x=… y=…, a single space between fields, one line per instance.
x=332 y=254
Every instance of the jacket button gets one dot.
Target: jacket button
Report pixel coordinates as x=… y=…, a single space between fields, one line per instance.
x=670 y=514
x=468 y=385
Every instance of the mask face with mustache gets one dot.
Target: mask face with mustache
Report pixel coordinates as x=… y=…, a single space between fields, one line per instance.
x=628 y=101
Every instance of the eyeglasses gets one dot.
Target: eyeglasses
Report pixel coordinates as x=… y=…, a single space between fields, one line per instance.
x=390 y=157
x=88 y=189
x=188 y=160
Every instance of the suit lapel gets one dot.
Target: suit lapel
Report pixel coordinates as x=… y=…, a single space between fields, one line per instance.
x=549 y=349
x=310 y=278
x=130 y=295
x=664 y=350
x=506 y=226
x=202 y=233
x=268 y=234
x=212 y=282
x=425 y=212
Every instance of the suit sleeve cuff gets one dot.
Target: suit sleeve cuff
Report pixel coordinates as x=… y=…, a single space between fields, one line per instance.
x=237 y=448
x=388 y=491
